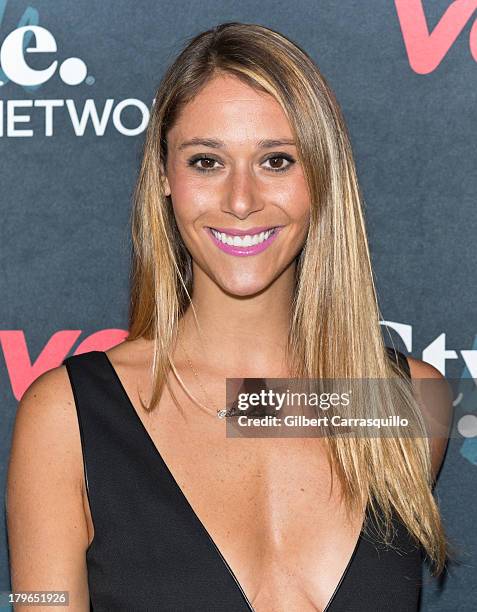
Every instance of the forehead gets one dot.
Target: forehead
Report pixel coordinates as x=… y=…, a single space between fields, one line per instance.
x=227 y=107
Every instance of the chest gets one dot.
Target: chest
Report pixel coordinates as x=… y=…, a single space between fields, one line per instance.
x=269 y=505
x=186 y=518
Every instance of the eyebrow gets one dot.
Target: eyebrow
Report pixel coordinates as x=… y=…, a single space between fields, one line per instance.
x=219 y=144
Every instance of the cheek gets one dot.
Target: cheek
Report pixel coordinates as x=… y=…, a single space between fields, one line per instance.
x=301 y=198
x=191 y=196
x=295 y=199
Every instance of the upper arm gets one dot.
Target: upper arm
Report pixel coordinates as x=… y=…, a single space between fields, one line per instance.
x=46 y=523
x=435 y=398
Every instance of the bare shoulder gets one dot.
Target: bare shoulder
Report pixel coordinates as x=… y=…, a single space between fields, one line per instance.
x=422 y=369
x=46 y=417
x=131 y=359
x=46 y=524
x=435 y=398
x=131 y=352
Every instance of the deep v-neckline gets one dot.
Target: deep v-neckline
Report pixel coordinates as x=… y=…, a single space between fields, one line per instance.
x=194 y=514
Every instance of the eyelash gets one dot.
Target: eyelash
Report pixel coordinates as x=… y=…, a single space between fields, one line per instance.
x=191 y=162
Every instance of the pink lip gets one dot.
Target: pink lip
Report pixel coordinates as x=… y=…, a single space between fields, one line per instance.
x=251 y=231
x=244 y=251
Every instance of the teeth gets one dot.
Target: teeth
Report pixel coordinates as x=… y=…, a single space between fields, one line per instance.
x=243 y=241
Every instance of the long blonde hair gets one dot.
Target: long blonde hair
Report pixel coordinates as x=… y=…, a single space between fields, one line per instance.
x=334 y=329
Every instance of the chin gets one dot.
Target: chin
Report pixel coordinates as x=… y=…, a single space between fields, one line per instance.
x=245 y=289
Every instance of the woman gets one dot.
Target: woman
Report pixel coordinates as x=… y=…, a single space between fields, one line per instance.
x=146 y=504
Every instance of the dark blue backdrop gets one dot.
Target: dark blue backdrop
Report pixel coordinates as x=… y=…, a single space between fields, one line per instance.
x=405 y=75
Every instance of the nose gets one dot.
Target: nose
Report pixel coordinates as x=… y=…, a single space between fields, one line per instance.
x=241 y=196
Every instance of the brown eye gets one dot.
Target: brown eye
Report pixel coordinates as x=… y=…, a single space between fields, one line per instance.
x=279 y=163
x=206 y=163
x=202 y=163
x=276 y=162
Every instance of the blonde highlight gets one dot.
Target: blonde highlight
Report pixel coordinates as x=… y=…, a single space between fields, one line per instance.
x=334 y=326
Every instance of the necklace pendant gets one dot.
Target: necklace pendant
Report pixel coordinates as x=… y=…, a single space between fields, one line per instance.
x=222 y=413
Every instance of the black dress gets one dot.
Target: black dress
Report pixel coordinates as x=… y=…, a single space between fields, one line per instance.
x=150 y=550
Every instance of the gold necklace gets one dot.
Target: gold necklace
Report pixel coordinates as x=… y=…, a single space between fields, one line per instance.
x=220 y=413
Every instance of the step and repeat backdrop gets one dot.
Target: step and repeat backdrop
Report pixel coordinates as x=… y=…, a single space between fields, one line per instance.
x=77 y=81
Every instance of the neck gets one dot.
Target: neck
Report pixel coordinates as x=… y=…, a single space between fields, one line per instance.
x=239 y=335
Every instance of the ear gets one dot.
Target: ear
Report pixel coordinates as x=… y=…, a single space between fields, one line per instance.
x=165 y=182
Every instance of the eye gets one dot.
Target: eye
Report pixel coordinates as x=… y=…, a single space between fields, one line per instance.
x=202 y=163
x=277 y=162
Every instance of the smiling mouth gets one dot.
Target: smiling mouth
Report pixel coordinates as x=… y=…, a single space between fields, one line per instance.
x=244 y=245
x=244 y=240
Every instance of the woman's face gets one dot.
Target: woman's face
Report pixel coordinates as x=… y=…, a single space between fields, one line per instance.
x=232 y=166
